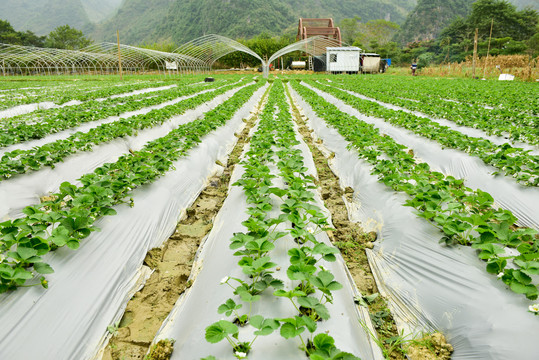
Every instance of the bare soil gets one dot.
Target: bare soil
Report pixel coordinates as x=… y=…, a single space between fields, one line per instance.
x=172 y=266
x=429 y=346
x=352 y=241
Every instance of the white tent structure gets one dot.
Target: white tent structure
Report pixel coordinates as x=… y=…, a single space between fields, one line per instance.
x=95 y=59
x=198 y=55
x=314 y=46
x=206 y=50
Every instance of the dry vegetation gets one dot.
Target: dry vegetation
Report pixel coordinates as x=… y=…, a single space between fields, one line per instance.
x=522 y=66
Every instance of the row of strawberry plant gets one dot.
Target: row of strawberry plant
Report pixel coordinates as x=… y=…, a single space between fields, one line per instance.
x=514 y=96
x=312 y=285
x=81 y=93
x=63 y=119
x=465 y=216
x=69 y=216
x=51 y=114
x=516 y=125
x=49 y=92
x=22 y=161
x=516 y=162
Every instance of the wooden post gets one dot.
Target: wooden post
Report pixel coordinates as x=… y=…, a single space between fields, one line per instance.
x=530 y=59
x=119 y=55
x=488 y=49
x=474 y=51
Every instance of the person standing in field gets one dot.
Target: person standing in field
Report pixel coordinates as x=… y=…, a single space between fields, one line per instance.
x=414 y=68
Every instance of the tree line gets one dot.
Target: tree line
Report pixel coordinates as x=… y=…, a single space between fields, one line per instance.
x=513 y=32
x=63 y=37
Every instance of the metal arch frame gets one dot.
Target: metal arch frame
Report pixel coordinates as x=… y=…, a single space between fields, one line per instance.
x=198 y=55
x=139 y=58
x=103 y=57
x=314 y=46
x=208 y=49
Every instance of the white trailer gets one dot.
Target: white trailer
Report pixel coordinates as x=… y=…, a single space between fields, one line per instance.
x=342 y=59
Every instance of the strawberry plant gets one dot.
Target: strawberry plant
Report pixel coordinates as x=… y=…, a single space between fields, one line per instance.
x=272 y=146
x=513 y=123
x=465 y=216
x=68 y=217
x=81 y=92
x=22 y=161
x=56 y=120
x=517 y=162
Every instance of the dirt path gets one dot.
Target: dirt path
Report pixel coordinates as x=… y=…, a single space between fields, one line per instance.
x=352 y=241
x=172 y=265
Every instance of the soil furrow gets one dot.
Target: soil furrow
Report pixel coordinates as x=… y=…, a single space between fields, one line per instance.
x=171 y=265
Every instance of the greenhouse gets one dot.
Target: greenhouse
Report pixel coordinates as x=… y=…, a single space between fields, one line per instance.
x=198 y=55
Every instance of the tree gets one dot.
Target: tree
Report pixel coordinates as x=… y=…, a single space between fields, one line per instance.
x=349 y=29
x=8 y=35
x=506 y=20
x=31 y=39
x=66 y=37
x=533 y=45
x=389 y=50
x=457 y=31
x=424 y=60
x=379 y=31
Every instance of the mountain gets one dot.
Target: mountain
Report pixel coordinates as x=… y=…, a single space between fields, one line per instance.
x=521 y=4
x=429 y=17
x=136 y=20
x=42 y=16
x=99 y=10
x=184 y=20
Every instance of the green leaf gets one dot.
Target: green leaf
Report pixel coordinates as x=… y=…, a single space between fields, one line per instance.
x=322 y=311
x=43 y=268
x=22 y=274
x=308 y=301
x=68 y=189
x=228 y=307
x=26 y=253
x=310 y=324
x=324 y=342
x=83 y=200
x=214 y=334
x=518 y=287
x=289 y=330
x=108 y=212
x=59 y=236
x=289 y=294
x=267 y=327
x=256 y=321
x=73 y=244
x=522 y=277
x=219 y=330
x=300 y=272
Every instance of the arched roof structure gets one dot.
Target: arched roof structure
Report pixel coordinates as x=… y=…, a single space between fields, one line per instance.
x=314 y=46
x=195 y=56
x=209 y=48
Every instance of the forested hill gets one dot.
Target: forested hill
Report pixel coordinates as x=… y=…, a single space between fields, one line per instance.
x=42 y=16
x=184 y=20
x=429 y=17
x=534 y=4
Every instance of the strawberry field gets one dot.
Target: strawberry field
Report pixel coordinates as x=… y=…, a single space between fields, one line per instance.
x=316 y=217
